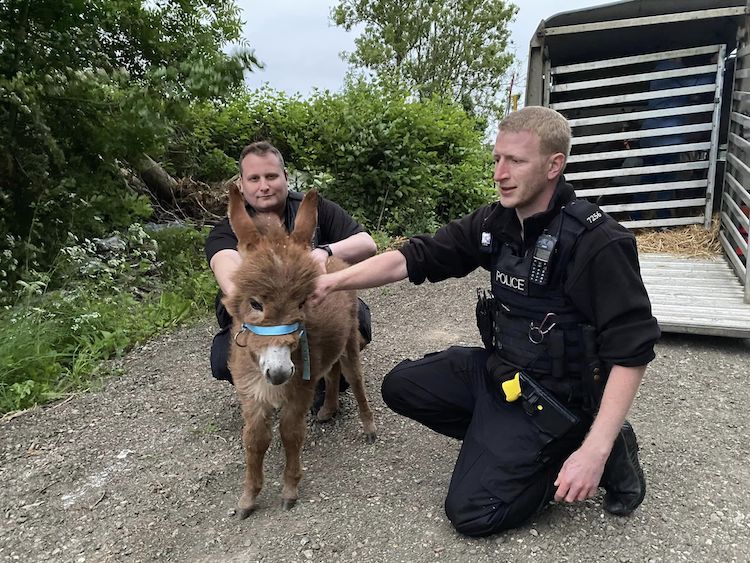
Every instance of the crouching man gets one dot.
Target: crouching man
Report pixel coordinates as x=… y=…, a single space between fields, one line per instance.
x=568 y=332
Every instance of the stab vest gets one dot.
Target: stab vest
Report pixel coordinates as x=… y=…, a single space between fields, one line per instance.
x=536 y=328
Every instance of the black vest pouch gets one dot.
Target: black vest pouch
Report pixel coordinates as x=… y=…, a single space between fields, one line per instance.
x=513 y=345
x=555 y=340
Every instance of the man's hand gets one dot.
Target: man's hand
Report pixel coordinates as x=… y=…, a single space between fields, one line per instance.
x=582 y=471
x=323 y=286
x=580 y=475
x=320 y=257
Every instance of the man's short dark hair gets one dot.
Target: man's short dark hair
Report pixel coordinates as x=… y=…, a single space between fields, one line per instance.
x=261 y=148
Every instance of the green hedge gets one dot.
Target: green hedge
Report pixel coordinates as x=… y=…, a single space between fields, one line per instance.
x=398 y=166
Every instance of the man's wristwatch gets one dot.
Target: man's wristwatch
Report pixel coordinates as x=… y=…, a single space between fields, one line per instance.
x=327 y=248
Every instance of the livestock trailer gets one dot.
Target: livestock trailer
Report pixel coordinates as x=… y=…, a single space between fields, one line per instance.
x=658 y=96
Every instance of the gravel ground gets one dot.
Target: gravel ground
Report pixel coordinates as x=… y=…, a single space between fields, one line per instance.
x=149 y=467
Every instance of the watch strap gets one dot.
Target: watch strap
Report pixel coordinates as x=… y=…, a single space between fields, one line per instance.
x=327 y=248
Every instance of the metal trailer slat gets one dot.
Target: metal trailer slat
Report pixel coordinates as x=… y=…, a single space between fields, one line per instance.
x=739 y=142
x=665 y=149
x=741 y=166
x=743 y=73
x=704 y=312
x=646 y=20
x=736 y=212
x=678 y=283
x=716 y=121
x=669 y=222
x=637 y=97
x=635 y=59
x=740 y=119
x=679 y=265
x=706 y=326
x=736 y=188
x=611 y=173
x=669 y=293
x=704 y=329
x=738 y=96
x=637 y=115
x=674 y=282
x=675 y=263
x=666 y=204
x=657 y=132
x=633 y=78
x=731 y=254
x=643 y=188
x=710 y=265
x=669 y=297
x=737 y=238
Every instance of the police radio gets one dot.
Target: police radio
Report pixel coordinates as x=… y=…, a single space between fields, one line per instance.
x=543 y=250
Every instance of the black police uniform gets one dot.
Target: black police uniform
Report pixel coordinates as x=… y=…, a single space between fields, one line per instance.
x=334 y=224
x=594 y=293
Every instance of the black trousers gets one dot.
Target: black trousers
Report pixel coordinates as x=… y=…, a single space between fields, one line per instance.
x=223 y=339
x=506 y=468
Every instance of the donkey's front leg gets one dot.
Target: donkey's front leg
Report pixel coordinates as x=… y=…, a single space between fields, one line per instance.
x=256 y=436
x=292 y=427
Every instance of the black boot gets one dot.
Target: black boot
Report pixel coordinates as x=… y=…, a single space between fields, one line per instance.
x=623 y=477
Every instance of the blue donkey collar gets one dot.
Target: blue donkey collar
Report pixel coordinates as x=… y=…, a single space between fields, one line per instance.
x=276 y=330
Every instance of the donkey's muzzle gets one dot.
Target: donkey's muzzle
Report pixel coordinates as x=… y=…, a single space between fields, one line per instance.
x=279 y=377
x=276 y=364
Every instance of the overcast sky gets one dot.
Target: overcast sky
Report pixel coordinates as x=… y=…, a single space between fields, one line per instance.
x=300 y=48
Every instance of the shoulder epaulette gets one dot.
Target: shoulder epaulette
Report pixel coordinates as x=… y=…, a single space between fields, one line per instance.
x=588 y=214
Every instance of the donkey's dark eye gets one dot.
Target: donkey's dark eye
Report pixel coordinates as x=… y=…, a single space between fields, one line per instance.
x=302 y=304
x=256 y=305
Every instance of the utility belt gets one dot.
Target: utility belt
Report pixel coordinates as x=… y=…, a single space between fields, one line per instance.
x=559 y=351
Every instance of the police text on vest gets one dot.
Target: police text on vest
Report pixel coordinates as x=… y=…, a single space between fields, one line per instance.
x=518 y=284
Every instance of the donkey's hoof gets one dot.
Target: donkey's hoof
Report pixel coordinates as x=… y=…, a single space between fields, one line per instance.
x=325 y=415
x=287 y=503
x=243 y=513
x=370 y=437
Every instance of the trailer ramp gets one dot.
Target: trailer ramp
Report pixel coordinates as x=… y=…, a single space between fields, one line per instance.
x=696 y=295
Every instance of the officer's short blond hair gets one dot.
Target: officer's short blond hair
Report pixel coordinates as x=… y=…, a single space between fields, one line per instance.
x=553 y=129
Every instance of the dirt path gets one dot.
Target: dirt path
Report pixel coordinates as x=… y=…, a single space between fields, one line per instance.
x=149 y=467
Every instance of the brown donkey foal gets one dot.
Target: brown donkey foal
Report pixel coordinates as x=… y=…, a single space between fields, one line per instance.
x=282 y=346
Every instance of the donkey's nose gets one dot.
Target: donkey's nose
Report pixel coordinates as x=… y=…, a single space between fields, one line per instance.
x=276 y=364
x=279 y=375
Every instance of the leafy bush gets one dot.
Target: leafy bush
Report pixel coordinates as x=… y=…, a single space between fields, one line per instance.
x=120 y=290
x=397 y=165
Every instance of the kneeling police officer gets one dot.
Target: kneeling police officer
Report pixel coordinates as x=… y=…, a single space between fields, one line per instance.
x=567 y=329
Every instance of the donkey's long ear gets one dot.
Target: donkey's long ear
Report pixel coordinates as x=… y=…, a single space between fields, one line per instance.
x=242 y=225
x=306 y=220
